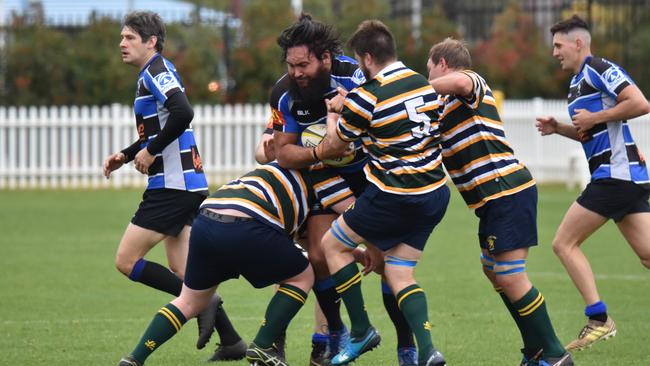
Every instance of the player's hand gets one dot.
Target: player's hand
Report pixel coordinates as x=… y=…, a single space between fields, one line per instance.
x=583 y=120
x=269 y=149
x=374 y=260
x=546 y=125
x=335 y=105
x=113 y=162
x=143 y=160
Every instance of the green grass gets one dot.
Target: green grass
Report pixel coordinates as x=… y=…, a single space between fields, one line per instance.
x=63 y=302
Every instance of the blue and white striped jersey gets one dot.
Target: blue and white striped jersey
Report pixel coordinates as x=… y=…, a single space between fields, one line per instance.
x=179 y=165
x=609 y=147
x=292 y=115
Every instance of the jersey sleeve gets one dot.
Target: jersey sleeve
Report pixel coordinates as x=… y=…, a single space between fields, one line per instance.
x=478 y=90
x=329 y=187
x=268 y=130
x=163 y=85
x=607 y=77
x=357 y=114
x=279 y=101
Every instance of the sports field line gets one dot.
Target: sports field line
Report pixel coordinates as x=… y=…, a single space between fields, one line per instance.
x=616 y=277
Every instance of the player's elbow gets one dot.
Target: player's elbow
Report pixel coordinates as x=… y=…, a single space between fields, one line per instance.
x=645 y=107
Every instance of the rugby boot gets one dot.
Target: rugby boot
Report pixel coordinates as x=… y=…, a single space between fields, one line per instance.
x=355 y=347
x=593 y=332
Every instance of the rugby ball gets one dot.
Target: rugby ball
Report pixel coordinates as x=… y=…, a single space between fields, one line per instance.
x=314 y=134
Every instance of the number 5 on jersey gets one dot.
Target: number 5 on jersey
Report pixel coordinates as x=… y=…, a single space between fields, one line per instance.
x=424 y=122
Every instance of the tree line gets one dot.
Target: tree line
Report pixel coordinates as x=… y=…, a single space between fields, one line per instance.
x=82 y=66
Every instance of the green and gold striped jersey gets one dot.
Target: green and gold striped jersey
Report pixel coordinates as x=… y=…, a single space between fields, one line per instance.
x=280 y=197
x=396 y=117
x=476 y=154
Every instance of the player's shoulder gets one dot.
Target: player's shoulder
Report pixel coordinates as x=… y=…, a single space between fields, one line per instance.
x=344 y=65
x=159 y=65
x=280 y=90
x=600 y=65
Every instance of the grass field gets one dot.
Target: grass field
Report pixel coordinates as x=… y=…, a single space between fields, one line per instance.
x=63 y=302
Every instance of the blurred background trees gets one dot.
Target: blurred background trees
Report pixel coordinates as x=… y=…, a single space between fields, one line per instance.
x=234 y=58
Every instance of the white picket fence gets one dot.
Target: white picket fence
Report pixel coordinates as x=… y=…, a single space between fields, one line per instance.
x=64 y=147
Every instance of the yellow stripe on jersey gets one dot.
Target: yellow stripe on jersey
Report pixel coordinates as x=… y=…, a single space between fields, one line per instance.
x=171 y=317
x=327 y=182
x=410 y=158
x=419 y=190
x=470 y=121
x=267 y=188
x=502 y=193
x=450 y=107
x=357 y=110
x=244 y=186
x=357 y=131
x=394 y=118
x=303 y=188
x=336 y=198
x=465 y=168
x=394 y=77
x=294 y=200
x=292 y=293
x=398 y=98
x=475 y=183
x=455 y=149
x=365 y=94
x=412 y=170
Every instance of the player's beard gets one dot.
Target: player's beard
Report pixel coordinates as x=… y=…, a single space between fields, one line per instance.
x=313 y=93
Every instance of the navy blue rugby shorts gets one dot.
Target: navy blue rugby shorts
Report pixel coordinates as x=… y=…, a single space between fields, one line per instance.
x=509 y=222
x=386 y=220
x=220 y=251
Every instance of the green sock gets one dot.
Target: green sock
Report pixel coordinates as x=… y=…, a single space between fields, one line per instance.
x=525 y=336
x=164 y=325
x=413 y=303
x=536 y=324
x=348 y=284
x=283 y=307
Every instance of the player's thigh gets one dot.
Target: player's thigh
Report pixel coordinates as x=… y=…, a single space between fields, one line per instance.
x=636 y=230
x=317 y=226
x=136 y=242
x=176 y=248
x=577 y=225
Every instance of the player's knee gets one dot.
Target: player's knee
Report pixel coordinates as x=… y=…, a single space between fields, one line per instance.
x=487 y=264
x=179 y=271
x=124 y=265
x=560 y=248
x=304 y=280
x=509 y=273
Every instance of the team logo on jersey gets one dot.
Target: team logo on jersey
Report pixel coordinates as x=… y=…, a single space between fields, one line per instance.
x=277 y=117
x=613 y=75
x=358 y=77
x=165 y=81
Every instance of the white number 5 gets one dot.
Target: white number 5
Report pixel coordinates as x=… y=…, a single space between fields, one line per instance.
x=424 y=122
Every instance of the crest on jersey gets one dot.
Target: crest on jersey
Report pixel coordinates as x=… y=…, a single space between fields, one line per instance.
x=358 y=77
x=613 y=75
x=166 y=81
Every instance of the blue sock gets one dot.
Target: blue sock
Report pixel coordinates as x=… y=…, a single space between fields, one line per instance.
x=597 y=311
